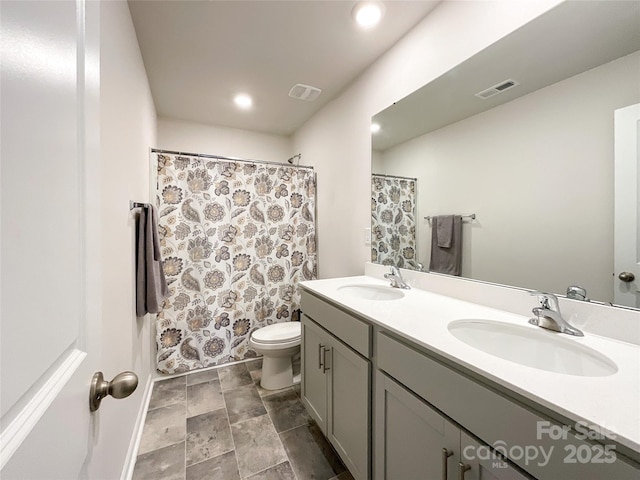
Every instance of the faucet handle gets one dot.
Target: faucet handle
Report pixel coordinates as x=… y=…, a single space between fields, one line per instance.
x=577 y=292
x=547 y=300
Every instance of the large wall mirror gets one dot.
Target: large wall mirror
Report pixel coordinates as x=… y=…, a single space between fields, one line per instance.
x=550 y=177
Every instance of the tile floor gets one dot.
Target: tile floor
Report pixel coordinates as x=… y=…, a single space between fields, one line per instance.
x=220 y=424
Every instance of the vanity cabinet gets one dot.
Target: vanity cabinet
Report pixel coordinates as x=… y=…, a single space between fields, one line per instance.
x=433 y=418
x=413 y=440
x=482 y=468
x=336 y=382
x=313 y=389
x=485 y=413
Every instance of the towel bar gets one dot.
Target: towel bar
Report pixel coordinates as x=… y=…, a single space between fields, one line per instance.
x=133 y=204
x=464 y=217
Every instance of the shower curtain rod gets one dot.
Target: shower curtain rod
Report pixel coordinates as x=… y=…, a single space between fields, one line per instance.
x=232 y=159
x=393 y=176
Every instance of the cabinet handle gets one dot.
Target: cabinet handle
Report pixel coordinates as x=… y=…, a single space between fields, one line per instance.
x=462 y=469
x=445 y=457
x=320 y=356
x=324 y=360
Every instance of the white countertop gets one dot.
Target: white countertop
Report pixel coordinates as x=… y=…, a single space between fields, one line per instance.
x=611 y=403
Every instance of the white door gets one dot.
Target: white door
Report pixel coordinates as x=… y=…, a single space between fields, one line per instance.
x=50 y=299
x=626 y=280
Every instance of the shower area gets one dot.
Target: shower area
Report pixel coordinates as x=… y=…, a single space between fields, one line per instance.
x=236 y=237
x=393 y=221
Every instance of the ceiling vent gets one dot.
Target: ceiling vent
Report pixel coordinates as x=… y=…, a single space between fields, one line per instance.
x=496 y=89
x=304 y=92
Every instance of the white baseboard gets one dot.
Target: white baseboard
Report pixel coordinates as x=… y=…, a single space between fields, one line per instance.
x=132 y=453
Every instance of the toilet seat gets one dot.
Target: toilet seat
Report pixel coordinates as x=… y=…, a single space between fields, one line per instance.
x=278 y=333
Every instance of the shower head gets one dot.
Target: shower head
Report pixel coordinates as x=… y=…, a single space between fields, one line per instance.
x=297 y=156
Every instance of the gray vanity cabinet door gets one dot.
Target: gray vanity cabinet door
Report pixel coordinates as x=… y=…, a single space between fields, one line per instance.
x=411 y=436
x=315 y=343
x=349 y=400
x=483 y=465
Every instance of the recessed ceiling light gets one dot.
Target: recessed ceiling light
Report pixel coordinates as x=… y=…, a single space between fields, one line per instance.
x=242 y=100
x=368 y=13
x=375 y=128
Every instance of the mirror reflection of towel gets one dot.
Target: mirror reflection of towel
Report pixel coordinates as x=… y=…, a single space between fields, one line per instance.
x=151 y=285
x=444 y=230
x=443 y=259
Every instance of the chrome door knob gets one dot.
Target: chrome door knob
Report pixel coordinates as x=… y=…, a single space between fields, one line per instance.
x=122 y=385
x=627 y=277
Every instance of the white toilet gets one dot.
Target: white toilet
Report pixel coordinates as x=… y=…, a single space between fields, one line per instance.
x=277 y=343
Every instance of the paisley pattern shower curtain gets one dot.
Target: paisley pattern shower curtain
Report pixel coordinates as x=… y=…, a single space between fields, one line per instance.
x=393 y=221
x=236 y=239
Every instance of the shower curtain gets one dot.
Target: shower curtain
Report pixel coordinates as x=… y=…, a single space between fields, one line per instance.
x=236 y=238
x=393 y=221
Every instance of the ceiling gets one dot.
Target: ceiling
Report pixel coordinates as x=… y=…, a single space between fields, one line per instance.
x=569 y=39
x=199 y=54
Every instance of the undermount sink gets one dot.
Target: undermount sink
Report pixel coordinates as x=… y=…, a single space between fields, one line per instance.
x=532 y=347
x=371 y=292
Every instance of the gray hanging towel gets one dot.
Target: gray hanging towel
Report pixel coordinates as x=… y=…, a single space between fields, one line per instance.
x=444 y=230
x=151 y=285
x=447 y=260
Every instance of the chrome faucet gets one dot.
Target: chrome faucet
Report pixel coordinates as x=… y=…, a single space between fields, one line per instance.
x=396 y=278
x=577 y=292
x=548 y=315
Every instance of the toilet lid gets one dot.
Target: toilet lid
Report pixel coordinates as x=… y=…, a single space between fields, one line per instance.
x=278 y=332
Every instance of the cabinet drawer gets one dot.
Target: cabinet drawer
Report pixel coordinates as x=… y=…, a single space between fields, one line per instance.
x=353 y=332
x=498 y=420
